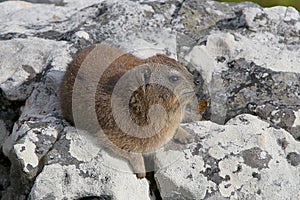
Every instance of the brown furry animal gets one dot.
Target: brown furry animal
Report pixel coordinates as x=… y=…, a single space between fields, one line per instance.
x=137 y=103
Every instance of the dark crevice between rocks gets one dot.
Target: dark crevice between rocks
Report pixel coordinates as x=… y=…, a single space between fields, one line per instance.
x=20 y=184
x=153 y=187
x=102 y=197
x=52 y=35
x=4 y=173
x=69 y=36
x=10 y=111
x=233 y=23
x=38 y=77
x=150 y=169
x=9 y=36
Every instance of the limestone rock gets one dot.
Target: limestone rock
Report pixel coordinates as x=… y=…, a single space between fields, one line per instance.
x=244 y=159
x=76 y=159
x=248 y=58
x=33 y=136
x=242 y=81
x=25 y=61
x=43 y=151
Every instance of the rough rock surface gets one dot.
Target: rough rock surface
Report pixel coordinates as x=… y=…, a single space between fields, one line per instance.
x=244 y=159
x=249 y=58
x=89 y=166
x=24 y=61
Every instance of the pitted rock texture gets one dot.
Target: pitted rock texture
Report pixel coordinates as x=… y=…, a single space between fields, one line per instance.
x=248 y=57
x=25 y=61
x=88 y=166
x=244 y=159
x=240 y=80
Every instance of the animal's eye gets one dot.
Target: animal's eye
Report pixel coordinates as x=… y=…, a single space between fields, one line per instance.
x=174 y=78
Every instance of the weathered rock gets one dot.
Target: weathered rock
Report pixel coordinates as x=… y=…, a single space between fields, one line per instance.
x=244 y=159
x=77 y=159
x=33 y=136
x=279 y=20
x=39 y=146
x=25 y=61
x=248 y=57
x=242 y=81
x=22 y=19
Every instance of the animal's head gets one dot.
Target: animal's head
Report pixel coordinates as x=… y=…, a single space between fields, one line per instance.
x=159 y=80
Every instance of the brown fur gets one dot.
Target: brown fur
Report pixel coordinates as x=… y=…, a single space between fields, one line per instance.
x=140 y=101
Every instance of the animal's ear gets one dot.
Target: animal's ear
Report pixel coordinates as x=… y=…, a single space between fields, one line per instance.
x=163 y=59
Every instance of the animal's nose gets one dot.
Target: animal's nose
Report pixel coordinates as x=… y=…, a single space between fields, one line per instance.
x=202 y=105
x=197 y=80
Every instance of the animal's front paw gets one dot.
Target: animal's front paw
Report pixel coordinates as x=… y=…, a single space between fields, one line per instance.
x=183 y=137
x=141 y=175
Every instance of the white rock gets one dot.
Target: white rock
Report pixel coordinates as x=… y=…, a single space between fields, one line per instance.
x=246 y=158
x=272 y=54
x=170 y=187
x=79 y=147
x=200 y=57
x=22 y=59
x=27 y=18
x=95 y=175
x=223 y=44
x=82 y=34
x=58 y=182
x=26 y=153
x=297 y=120
x=144 y=45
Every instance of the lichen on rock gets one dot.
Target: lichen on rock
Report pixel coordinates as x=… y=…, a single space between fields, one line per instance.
x=248 y=57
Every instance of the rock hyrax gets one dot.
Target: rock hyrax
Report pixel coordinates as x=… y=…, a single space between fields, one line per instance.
x=138 y=103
